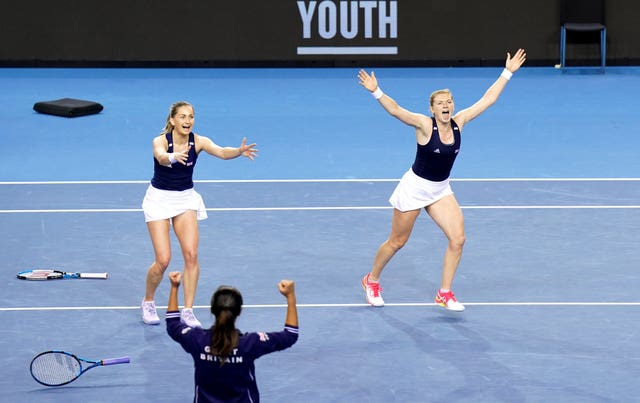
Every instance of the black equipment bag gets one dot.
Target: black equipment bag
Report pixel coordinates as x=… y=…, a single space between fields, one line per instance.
x=68 y=107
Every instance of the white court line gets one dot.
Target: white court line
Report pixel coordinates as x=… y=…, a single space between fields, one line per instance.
x=129 y=210
x=404 y=304
x=124 y=210
x=323 y=180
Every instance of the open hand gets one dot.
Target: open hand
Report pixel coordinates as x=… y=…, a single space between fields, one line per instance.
x=182 y=156
x=513 y=63
x=248 y=151
x=370 y=82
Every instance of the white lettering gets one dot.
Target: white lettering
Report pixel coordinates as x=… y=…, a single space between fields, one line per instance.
x=233 y=359
x=385 y=19
x=352 y=18
x=307 y=15
x=215 y=358
x=327 y=19
x=368 y=7
x=348 y=29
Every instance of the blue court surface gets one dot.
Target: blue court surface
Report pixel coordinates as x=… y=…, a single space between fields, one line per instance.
x=548 y=179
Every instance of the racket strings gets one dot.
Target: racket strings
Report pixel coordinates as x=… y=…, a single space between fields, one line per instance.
x=55 y=368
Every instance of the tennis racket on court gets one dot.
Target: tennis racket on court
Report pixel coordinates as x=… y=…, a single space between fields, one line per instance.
x=50 y=274
x=57 y=368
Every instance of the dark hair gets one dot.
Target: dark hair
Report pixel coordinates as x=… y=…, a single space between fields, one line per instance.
x=226 y=305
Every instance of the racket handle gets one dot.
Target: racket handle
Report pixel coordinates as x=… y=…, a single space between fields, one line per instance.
x=112 y=361
x=94 y=275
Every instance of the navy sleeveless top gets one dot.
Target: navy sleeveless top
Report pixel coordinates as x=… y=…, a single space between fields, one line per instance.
x=434 y=160
x=177 y=176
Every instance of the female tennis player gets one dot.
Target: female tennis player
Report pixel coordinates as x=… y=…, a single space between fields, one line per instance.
x=426 y=183
x=223 y=356
x=171 y=200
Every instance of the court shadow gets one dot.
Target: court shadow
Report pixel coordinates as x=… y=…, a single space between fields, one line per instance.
x=449 y=317
x=456 y=345
x=153 y=333
x=470 y=354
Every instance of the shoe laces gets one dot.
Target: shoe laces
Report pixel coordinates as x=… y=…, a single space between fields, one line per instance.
x=375 y=288
x=188 y=314
x=149 y=307
x=448 y=296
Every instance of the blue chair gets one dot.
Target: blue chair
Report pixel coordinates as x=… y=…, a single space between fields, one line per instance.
x=582 y=16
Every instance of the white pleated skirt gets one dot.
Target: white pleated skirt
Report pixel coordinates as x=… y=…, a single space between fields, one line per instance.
x=414 y=192
x=161 y=204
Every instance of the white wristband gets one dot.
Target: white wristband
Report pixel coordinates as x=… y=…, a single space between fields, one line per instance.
x=506 y=74
x=172 y=159
x=377 y=94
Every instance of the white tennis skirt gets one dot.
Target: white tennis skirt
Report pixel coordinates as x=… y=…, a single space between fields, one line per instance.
x=414 y=192
x=161 y=204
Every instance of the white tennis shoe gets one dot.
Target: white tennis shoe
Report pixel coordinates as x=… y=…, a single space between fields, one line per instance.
x=373 y=292
x=149 y=313
x=188 y=318
x=449 y=301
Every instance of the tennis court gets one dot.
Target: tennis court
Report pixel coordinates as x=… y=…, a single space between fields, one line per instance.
x=548 y=178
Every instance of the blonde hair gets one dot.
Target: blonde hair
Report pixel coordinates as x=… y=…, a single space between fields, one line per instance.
x=172 y=112
x=435 y=93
